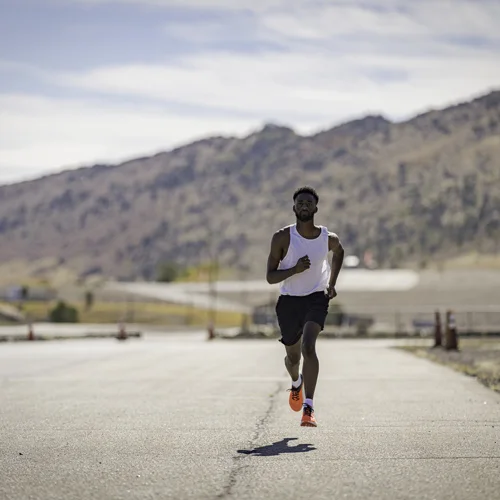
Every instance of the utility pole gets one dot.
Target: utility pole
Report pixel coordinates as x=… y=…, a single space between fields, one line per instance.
x=212 y=279
x=212 y=286
x=243 y=269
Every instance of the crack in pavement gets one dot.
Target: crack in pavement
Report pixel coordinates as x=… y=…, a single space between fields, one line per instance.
x=239 y=460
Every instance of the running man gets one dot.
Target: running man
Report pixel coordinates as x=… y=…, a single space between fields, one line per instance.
x=298 y=260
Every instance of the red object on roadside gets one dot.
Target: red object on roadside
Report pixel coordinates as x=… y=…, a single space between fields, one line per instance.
x=122 y=332
x=211 y=333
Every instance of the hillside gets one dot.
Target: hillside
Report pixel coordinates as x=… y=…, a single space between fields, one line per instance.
x=417 y=190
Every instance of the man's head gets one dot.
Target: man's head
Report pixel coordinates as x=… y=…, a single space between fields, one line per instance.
x=305 y=201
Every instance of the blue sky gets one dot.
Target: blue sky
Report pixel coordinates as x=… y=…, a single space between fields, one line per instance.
x=84 y=81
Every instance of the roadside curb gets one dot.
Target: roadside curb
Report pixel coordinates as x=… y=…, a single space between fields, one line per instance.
x=104 y=335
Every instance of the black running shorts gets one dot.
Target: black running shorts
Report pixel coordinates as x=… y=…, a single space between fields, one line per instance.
x=294 y=312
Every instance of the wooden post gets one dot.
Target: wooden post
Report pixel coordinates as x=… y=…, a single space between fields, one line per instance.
x=451 y=332
x=437 y=330
x=122 y=332
x=211 y=332
x=31 y=335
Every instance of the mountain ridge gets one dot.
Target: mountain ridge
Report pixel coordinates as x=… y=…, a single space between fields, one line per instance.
x=422 y=189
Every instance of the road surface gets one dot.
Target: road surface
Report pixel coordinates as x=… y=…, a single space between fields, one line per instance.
x=65 y=330
x=176 y=416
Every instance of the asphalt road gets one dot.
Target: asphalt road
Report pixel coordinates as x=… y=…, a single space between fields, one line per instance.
x=180 y=417
x=65 y=330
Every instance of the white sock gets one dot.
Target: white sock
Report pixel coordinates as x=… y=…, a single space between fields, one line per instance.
x=309 y=402
x=297 y=383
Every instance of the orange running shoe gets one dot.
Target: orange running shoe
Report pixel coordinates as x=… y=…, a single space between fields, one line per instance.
x=296 y=398
x=308 y=419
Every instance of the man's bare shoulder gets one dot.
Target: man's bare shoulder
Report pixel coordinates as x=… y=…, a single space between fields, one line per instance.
x=282 y=237
x=334 y=243
x=284 y=232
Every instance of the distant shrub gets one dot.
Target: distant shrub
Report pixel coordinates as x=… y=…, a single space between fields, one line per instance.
x=168 y=272
x=63 y=313
x=89 y=300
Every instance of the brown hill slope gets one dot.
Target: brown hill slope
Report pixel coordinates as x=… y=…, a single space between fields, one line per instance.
x=425 y=187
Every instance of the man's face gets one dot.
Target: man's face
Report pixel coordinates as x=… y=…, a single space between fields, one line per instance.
x=305 y=207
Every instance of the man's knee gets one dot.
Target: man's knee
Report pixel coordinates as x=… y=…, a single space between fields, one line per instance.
x=311 y=332
x=293 y=358
x=309 y=348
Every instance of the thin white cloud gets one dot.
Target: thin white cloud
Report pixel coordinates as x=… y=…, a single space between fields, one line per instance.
x=39 y=134
x=324 y=80
x=299 y=86
x=438 y=12
x=319 y=18
x=253 y=5
x=323 y=23
x=424 y=18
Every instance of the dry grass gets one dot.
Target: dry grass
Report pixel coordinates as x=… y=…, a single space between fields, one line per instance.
x=38 y=272
x=479 y=358
x=473 y=260
x=138 y=312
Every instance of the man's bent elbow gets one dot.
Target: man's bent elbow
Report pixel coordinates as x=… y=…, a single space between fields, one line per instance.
x=271 y=278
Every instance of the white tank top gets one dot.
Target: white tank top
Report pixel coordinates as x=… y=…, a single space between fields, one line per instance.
x=314 y=279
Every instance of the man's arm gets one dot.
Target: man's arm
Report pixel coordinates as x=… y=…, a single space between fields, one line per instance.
x=336 y=247
x=275 y=275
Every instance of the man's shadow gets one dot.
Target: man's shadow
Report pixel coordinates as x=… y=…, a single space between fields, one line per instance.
x=278 y=448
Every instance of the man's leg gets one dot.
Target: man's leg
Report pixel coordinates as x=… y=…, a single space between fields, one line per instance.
x=292 y=360
x=310 y=369
x=290 y=323
x=292 y=363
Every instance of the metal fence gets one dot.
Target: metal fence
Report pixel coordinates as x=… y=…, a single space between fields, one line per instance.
x=411 y=321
